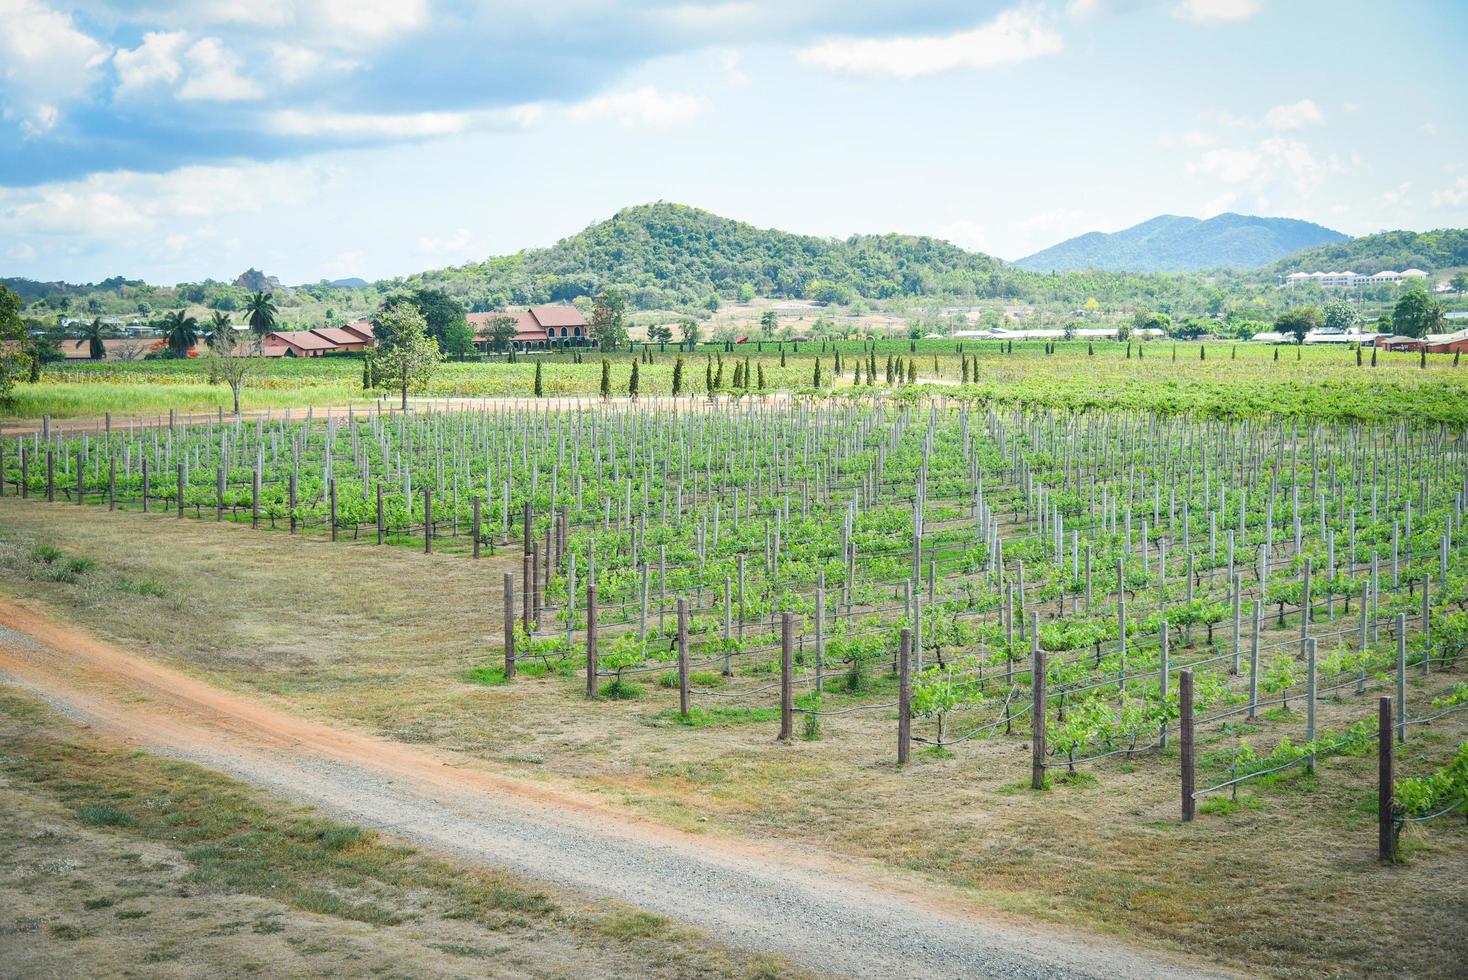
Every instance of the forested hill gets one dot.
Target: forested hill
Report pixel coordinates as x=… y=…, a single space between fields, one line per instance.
x=1171 y=243
x=1395 y=250
x=670 y=256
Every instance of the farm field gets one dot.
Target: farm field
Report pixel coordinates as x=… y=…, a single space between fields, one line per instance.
x=849 y=567
x=1234 y=379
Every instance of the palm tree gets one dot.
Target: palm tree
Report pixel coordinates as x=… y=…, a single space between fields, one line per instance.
x=182 y=332
x=221 y=332
x=260 y=313
x=93 y=333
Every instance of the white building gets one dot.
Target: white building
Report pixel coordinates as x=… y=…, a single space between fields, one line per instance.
x=1350 y=279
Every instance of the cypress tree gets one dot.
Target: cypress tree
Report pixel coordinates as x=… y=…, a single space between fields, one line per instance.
x=1202 y=352
x=816 y=377
x=912 y=371
x=1373 y=357
x=632 y=382
x=965 y=376
x=606 y=378
x=761 y=368
x=539 y=390
x=856 y=378
x=708 y=376
x=678 y=377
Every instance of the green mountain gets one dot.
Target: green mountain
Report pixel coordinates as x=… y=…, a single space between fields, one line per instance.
x=1170 y=243
x=669 y=256
x=1395 y=250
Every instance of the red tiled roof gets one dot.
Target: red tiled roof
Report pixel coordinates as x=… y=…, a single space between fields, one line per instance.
x=363 y=327
x=304 y=339
x=558 y=316
x=341 y=336
x=525 y=326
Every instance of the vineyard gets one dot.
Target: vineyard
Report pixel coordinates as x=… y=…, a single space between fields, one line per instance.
x=1213 y=598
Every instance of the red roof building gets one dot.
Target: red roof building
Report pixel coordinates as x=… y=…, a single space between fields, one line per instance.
x=536 y=328
x=345 y=338
x=296 y=343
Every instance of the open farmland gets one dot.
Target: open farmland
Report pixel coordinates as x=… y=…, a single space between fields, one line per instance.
x=976 y=633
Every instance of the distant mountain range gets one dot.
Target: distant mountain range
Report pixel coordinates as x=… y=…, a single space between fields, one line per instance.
x=1172 y=243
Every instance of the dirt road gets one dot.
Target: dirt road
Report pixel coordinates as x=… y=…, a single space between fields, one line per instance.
x=828 y=914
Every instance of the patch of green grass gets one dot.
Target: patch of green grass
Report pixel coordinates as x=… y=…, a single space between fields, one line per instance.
x=97 y=903
x=620 y=690
x=627 y=926
x=1223 y=806
x=937 y=752
x=101 y=815
x=66 y=931
x=486 y=676
x=133 y=913
x=716 y=716
x=45 y=554
x=144 y=587
x=452 y=949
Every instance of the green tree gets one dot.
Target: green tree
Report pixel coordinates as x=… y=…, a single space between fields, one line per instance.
x=15 y=361
x=406 y=356
x=1459 y=283
x=458 y=339
x=816 y=377
x=678 y=377
x=221 y=331
x=1340 y=315
x=632 y=383
x=1297 y=321
x=502 y=333
x=539 y=386
x=746 y=292
x=769 y=322
x=94 y=333
x=690 y=332
x=606 y=378
x=232 y=363
x=181 y=331
x=440 y=311
x=660 y=333
x=608 y=327
x=260 y=313
x=1416 y=313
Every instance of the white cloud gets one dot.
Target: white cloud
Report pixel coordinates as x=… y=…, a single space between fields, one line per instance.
x=645 y=106
x=1056 y=219
x=407 y=125
x=1276 y=160
x=22 y=252
x=373 y=19
x=1296 y=115
x=1216 y=11
x=1454 y=196
x=1192 y=139
x=1397 y=196
x=214 y=74
x=155 y=61
x=1011 y=37
x=1081 y=9
x=123 y=205
x=966 y=234
x=728 y=61
x=1218 y=204
x=1429 y=129
x=460 y=244
x=45 y=63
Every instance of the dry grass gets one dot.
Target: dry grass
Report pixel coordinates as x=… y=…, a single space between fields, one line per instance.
x=1285 y=884
x=121 y=863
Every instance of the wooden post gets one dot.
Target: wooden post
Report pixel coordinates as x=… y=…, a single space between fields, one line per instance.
x=787 y=677
x=51 y=478
x=81 y=488
x=525 y=591
x=1254 y=662
x=111 y=482
x=145 y=484
x=381 y=525
x=509 y=625
x=255 y=497
x=537 y=601
x=178 y=491
x=1185 y=724
x=1310 y=697
x=427 y=521
x=591 y=641
x=821 y=635
x=1386 y=831
x=904 y=697
x=1237 y=584
x=475 y=505
x=1163 y=672
x=219 y=493
x=1037 y=708
x=290 y=492
x=683 y=658
x=331 y=505
x=1401 y=677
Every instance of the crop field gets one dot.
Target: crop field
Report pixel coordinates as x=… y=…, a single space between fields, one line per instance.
x=1215 y=379
x=1072 y=593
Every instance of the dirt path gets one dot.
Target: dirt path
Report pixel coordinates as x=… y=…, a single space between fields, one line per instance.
x=830 y=915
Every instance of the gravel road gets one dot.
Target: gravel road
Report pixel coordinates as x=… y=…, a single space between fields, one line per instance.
x=832 y=915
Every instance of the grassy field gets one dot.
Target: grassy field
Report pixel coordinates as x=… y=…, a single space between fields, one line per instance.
x=1229 y=379
x=1284 y=881
x=121 y=863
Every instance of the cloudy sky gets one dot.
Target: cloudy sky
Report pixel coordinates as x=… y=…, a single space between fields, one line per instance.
x=174 y=140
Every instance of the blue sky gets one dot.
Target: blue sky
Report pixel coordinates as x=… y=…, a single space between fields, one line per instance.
x=173 y=140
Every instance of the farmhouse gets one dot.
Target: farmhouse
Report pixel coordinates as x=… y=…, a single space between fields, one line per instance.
x=1448 y=343
x=296 y=343
x=536 y=328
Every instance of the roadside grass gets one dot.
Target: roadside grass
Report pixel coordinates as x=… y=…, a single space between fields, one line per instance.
x=385 y=642
x=234 y=840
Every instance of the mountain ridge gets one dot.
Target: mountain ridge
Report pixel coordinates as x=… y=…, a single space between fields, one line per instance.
x=1178 y=243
